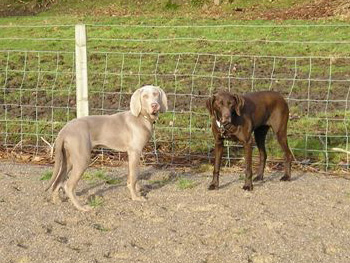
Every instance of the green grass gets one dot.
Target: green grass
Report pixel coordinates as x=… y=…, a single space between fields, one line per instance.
x=96 y=201
x=100 y=175
x=185 y=183
x=46 y=175
x=63 y=36
x=91 y=177
x=100 y=227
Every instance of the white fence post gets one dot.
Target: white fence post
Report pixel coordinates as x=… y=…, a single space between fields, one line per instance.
x=81 y=71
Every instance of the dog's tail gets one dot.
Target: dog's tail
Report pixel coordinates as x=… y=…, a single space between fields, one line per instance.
x=58 y=162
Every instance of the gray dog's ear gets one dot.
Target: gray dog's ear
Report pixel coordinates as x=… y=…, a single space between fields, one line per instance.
x=239 y=103
x=163 y=100
x=135 y=103
x=209 y=105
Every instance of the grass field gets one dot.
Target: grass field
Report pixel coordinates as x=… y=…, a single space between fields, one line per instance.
x=190 y=56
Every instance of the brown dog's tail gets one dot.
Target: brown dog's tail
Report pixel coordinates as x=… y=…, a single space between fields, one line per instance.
x=58 y=162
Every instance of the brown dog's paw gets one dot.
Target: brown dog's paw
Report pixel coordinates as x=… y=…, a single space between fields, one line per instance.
x=285 y=178
x=213 y=187
x=248 y=187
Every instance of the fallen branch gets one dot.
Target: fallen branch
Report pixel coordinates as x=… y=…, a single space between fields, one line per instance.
x=49 y=144
x=340 y=150
x=19 y=143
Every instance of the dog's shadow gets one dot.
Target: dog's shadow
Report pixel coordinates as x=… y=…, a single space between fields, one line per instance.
x=276 y=177
x=273 y=177
x=227 y=184
x=154 y=184
x=99 y=192
x=146 y=175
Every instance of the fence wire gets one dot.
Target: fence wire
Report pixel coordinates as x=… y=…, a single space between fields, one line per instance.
x=37 y=94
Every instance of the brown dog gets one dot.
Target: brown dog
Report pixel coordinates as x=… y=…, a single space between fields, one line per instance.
x=235 y=117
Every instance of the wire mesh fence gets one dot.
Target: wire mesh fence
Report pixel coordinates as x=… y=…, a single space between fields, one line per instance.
x=37 y=97
x=190 y=63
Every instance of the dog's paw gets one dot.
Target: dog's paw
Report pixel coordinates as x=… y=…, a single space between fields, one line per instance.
x=138 y=187
x=258 y=178
x=213 y=187
x=285 y=178
x=139 y=198
x=84 y=208
x=248 y=187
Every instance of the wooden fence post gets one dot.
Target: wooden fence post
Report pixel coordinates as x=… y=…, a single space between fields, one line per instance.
x=81 y=71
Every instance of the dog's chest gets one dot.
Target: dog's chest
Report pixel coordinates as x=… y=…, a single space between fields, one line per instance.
x=227 y=133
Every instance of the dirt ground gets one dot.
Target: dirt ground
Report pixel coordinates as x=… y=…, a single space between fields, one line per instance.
x=305 y=220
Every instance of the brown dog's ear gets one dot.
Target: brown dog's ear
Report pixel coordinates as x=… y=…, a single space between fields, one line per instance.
x=209 y=105
x=239 y=103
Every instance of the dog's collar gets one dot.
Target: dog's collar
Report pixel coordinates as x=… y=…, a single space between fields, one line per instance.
x=149 y=119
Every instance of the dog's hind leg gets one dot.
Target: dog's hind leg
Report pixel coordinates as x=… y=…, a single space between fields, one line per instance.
x=282 y=139
x=260 y=136
x=81 y=162
x=61 y=178
x=58 y=184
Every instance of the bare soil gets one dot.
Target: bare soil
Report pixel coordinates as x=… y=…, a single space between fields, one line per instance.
x=305 y=220
x=308 y=10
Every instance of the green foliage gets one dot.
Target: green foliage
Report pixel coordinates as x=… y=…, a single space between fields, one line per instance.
x=46 y=175
x=171 y=5
x=185 y=183
x=100 y=227
x=100 y=175
x=198 y=3
x=96 y=201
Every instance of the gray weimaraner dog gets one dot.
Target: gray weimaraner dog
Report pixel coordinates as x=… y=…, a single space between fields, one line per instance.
x=125 y=131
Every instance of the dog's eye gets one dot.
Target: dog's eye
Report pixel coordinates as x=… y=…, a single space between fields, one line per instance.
x=145 y=96
x=155 y=94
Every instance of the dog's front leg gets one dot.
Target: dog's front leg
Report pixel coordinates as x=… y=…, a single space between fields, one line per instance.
x=219 y=148
x=248 y=185
x=134 y=159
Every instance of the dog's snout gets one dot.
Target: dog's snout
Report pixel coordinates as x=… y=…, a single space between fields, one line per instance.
x=225 y=119
x=155 y=106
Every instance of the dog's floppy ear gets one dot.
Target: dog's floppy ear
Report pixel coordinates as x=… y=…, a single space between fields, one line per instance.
x=209 y=105
x=135 y=102
x=239 y=103
x=163 y=100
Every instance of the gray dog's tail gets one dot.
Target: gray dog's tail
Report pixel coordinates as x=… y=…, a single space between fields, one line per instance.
x=58 y=162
